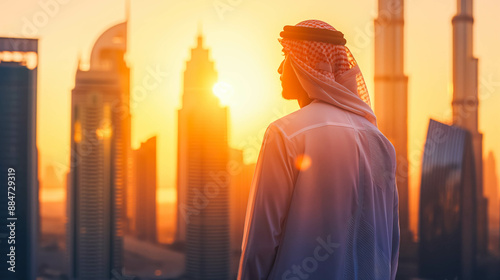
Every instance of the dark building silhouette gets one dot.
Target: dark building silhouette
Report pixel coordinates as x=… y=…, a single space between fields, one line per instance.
x=203 y=181
x=447 y=230
x=145 y=191
x=100 y=143
x=18 y=99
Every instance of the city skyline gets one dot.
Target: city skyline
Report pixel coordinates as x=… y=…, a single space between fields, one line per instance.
x=161 y=85
x=429 y=89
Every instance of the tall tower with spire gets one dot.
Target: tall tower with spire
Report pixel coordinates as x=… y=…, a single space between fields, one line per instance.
x=202 y=177
x=465 y=104
x=391 y=96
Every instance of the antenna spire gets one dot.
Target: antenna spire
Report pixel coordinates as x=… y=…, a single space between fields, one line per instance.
x=200 y=35
x=127 y=10
x=200 y=28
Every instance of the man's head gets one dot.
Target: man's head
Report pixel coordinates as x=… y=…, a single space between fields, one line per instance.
x=318 y=66
x=301 y=42
x=317 y=48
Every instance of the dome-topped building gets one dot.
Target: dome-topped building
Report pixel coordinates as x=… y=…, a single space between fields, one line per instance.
x=100 y=148
x=110 y=47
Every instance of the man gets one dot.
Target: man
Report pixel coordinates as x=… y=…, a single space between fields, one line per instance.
x=323 y=203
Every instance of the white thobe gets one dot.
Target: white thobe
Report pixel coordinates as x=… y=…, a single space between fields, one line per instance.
x=323 y=202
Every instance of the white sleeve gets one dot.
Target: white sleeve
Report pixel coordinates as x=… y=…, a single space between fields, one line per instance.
x=268 y=203
x=395 y=235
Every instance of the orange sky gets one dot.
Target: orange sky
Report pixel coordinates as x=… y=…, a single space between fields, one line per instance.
x=244 y=46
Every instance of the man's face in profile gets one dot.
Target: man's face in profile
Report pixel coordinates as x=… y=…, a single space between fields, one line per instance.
x=289 y=82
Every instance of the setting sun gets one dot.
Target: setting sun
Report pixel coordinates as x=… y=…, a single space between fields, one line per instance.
x=224 y=91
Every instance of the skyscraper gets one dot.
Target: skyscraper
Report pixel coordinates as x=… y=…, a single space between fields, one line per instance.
x=391 y=97
x=145 y=191
x=447 y=224
x=18 y=158
x=100 y=143
x=465 y=104
x=203 y=182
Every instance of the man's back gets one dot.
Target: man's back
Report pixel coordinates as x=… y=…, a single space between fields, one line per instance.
x=324 y=200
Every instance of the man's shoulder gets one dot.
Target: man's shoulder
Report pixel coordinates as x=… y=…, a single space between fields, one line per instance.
x=316 y=114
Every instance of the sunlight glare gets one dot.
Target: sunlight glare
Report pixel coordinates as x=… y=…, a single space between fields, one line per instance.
x=224 y=91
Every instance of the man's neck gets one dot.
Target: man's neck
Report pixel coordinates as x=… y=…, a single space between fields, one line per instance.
x=304 y=101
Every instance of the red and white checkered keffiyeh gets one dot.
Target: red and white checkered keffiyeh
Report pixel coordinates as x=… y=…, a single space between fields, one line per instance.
x=331 y=68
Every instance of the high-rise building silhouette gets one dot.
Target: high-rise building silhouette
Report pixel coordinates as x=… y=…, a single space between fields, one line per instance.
x=144 y=218
x=447 y=222
x=391 y=98
x=465 y=105
x=100 y=143
x=203 y=182
x=18 y=158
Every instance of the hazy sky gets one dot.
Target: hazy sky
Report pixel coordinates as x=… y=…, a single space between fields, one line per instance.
x=242 y=36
